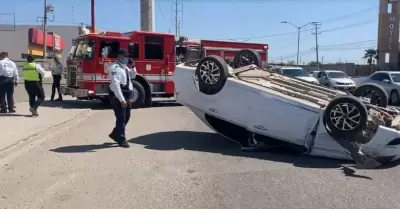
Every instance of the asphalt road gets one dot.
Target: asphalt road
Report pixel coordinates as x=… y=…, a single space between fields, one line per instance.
x=174 y=162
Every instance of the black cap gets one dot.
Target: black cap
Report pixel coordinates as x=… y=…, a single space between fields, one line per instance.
x=122 y=52
x=30 y=58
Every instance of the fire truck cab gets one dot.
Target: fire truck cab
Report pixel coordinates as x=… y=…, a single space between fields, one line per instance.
x=91 y=55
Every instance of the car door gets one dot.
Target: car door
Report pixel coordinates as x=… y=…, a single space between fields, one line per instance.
x=323 y=78
x=383 y=80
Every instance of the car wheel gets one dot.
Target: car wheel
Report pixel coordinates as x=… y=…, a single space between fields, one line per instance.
x=394 y=97
x=211 y=73
x=246 y=57
x=374 y=93
x=345 y=116
x=138 y=94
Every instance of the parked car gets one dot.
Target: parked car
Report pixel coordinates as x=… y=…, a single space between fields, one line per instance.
x=314 y=73
x=388 y=80
x=296 y=72
x=335 y=79
x=260 y=108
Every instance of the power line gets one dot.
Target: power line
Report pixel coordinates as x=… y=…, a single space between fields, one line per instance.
x=330 y=20
x=322 y=31
x=322 y=48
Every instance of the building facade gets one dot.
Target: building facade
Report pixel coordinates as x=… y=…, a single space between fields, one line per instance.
x=388 y=34
x=21 y=40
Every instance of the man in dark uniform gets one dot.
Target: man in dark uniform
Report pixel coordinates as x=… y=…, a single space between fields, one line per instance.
x=121 y=94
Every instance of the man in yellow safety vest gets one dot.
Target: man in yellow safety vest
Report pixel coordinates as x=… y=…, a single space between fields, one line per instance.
x=33 y=74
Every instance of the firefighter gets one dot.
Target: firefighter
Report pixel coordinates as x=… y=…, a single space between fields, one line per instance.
x=33 y=74
x=56 y=71
x=8 y=80
x=121 y=94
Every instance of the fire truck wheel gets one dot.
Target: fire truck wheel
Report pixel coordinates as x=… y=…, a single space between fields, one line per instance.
x=246 y=57
x=139 y=94
x=212 y=73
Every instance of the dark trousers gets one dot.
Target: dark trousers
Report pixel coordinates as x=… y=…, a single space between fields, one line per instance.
x=34 y=90
x=122 y=116
x=56 y=85
x=6 y=91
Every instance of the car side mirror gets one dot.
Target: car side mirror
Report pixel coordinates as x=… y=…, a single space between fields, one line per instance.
x=386 y=81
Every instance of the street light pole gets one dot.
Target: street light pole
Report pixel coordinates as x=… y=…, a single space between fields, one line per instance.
x=298 y=36
x=298 y=45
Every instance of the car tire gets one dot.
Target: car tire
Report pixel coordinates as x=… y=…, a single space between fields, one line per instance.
x=340 y=122
x=212 y=73
x=246 y=57
x=139 y=95
x=378 y=97
x=394 y=94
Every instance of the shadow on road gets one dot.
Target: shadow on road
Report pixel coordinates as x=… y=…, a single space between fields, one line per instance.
x=14 y=115
x=214 y=143
x=75 y=104
x=83 y=148
x=96 y=105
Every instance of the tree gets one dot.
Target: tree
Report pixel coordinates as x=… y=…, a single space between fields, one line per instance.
x=370 y=55
x=291 y=62
x=313 y=63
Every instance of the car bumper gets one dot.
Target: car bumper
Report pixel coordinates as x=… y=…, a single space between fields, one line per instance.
x=344 y=88
x=385 y=145
x=74 y=92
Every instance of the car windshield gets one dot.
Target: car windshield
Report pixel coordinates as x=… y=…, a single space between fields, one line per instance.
x=337 y=75
x=395 y=77
x=84 y=50
x=295 y=72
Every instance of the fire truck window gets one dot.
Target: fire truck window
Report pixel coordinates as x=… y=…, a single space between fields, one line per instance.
x=153 y=47
x=84 y=50
x=109 y=49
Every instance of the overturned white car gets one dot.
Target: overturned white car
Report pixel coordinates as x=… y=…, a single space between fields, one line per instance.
x=261 y=109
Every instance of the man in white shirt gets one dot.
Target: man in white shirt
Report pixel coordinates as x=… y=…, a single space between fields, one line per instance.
x=121 y=94
x=8 y=79
x=57 y=72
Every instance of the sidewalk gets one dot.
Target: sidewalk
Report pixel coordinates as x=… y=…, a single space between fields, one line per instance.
x=19 y=127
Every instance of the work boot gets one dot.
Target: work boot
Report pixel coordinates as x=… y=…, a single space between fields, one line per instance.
x=33 y=111
x=59 y=97
x=11 y=111
x=124 y=144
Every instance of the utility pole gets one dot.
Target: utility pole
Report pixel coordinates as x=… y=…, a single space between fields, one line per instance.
x=316 y=24
x=45 y=30
x=92 y=15
x=177 y=18
x=47 y=9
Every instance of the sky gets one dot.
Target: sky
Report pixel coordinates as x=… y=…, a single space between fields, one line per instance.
x=347 y=28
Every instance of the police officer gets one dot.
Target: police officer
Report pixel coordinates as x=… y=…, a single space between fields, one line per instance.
x=8 y=79
x=33 y=74
x=121 y=94
x=57 y=71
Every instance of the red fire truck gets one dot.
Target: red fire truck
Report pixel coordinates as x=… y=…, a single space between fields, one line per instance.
x=155 y=56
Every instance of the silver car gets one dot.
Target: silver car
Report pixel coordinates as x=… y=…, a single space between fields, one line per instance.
x=336 y=79
x=388 y=80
